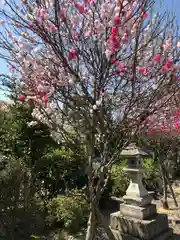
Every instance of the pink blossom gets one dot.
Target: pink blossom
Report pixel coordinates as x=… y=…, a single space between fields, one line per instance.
x=176 y=122
x=117 y=20
x=125 y=37
x=144 y=15
x=113 y=60
x=115 y=45
x=80 y=7
x=53 y=28
x=43 y=14
x=76 y=36
x=118 y=71
x=146 y=73
x=114 y=30
x=115 y=41
x=46 y=99
x=157 y=58
x=164 y=69
x=31 y=25
x=123 y=65
x=63 y=14
x=64 y=63
x=108 y=53
x=117 y=10
x=37 y=12
x=168 y=44
x=41 y=94
x=113 y=37
x=141 y=70
x=135 y=4
x=22 y=98
x=117 y=63
x=174 y=69
x=169 y=63
x=87 y=34
x=12 y=68
x=72 y=55
x=123 y=69
x=74 y=25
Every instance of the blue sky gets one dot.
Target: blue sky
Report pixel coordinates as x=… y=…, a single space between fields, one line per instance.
x=170 y=5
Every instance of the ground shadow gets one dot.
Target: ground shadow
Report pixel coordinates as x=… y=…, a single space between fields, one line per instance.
x=177 y=236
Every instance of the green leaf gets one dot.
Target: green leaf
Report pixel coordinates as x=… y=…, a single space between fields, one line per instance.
x=35 y=237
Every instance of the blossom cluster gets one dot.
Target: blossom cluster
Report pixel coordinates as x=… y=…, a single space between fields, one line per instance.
x=64 y=45
x=81 y=24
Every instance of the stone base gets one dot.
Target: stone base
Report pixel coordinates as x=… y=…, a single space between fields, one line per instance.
x=168 y=235
x=137 y=201
x=138 y=212
x=140 y=229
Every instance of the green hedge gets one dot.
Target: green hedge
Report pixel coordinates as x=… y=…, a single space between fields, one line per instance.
x=70 y=212
x=120 y=179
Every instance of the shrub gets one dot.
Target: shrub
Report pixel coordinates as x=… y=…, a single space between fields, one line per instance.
x=152 y=179
x=69 y=211
x=119 y=179
x=62 y=169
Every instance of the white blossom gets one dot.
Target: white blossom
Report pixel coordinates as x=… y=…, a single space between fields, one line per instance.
x=95 y=107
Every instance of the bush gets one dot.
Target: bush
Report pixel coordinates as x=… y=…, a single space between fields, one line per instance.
x=119 y=179
x=61 y=170
x=69 y=211
x=152 y=179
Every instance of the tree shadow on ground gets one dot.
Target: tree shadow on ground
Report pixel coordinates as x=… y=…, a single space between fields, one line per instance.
x=177 y=236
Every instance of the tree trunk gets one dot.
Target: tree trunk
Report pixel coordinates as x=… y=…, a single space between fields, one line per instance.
x=91 y=228
x=105 y=225
x=165 y=192
x=171 y=189
x=165 y=188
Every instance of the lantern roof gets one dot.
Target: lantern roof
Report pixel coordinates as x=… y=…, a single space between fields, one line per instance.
x=133 y=150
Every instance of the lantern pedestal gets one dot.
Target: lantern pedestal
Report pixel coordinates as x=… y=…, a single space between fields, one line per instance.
x=138 y=218
x=136 y=193
x=141 y=213
x=129 y=228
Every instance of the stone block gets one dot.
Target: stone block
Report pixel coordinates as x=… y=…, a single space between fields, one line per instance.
x=141 y=229
x=167 y=235
x=120 y=236
x=137 y=201
x=138 y=212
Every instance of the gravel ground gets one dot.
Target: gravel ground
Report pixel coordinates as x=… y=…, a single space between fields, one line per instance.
x=59 y=235
x=174 y=212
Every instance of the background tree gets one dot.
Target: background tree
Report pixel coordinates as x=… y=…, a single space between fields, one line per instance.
x=34 y=169
x=160 y=133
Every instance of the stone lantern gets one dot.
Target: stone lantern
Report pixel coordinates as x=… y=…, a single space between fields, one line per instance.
x=136 y=193
x=138 y=218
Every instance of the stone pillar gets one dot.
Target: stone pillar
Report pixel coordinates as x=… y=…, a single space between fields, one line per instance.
x=138 y=218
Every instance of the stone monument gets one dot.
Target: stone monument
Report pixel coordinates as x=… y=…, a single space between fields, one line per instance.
x=138 y=218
